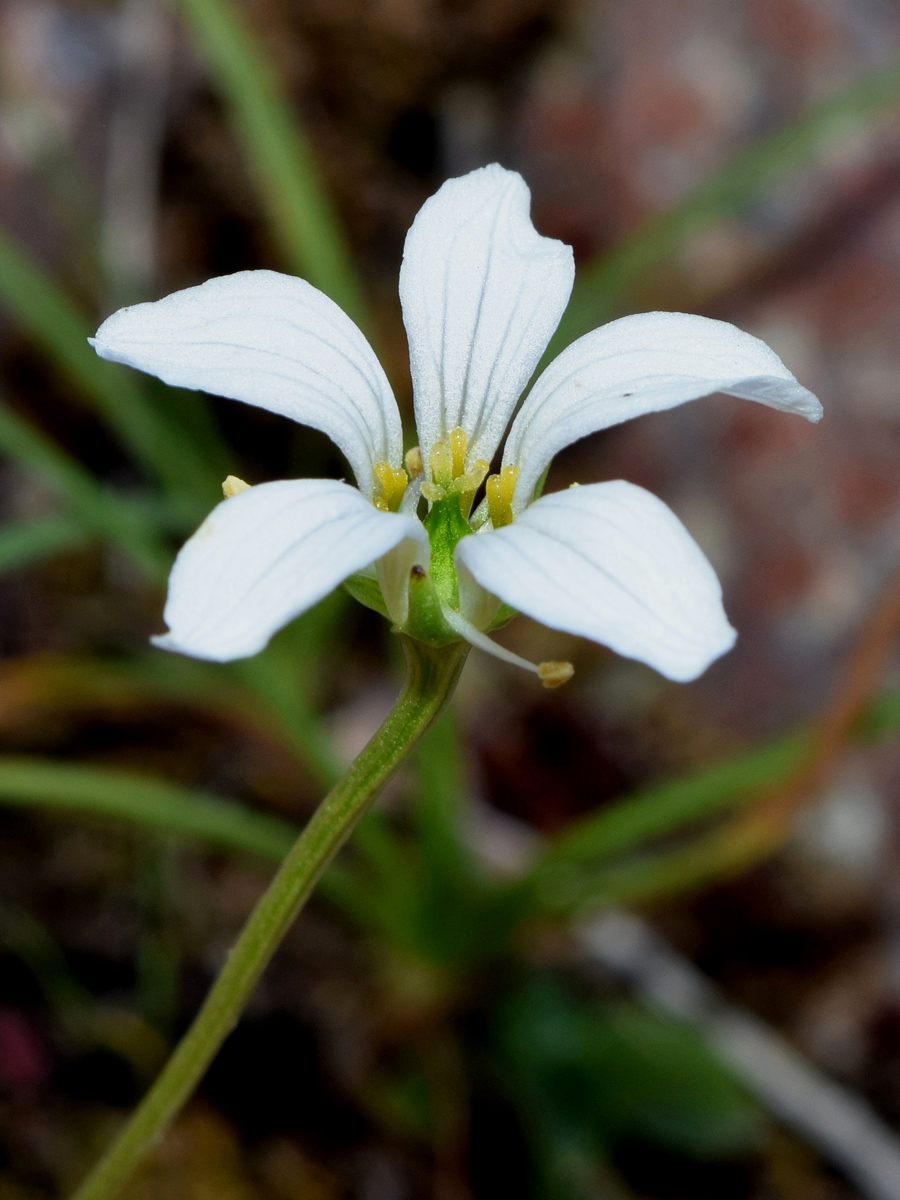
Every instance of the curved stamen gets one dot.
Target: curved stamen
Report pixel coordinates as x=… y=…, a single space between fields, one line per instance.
x=393 y=481
x=500 y=489
x=551 y=674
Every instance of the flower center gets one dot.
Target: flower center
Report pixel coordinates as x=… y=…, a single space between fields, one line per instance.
x=393 y=481
x=449 y=476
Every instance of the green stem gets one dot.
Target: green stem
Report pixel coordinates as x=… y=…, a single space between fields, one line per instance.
x=431 y=678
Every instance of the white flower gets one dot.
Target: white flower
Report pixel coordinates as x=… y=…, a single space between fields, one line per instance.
x=482 y=293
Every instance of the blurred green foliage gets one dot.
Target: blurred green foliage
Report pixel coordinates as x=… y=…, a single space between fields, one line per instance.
x=589 y=1075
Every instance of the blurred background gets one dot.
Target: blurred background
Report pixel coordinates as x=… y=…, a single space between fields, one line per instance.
x=454 y=1015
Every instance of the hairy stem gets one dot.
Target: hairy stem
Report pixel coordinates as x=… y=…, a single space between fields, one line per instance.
x=431 y=678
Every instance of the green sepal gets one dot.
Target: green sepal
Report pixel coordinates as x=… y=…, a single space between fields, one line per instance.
x=366 y=590
x=503 y=616
x=425 y=621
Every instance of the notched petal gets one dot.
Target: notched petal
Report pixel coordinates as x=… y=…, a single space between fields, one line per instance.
x=482 y=293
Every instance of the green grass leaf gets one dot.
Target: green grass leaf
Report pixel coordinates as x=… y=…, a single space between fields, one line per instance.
x=55 y=324
x=296 y=202
x=26 y=543
x=153 y=804
x=573 y=869
x=100 y=512
x=588 y=1075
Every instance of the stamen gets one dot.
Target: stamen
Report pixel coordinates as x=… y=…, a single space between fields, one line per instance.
x=500 y=489
x=472 y=480
x=414 y=465
x=233 y=486
x=458 y=445
x=449 y=477
x=551 y=674
x=410 y=502
x=469 y=483
x=441 y=462
x=393 y=481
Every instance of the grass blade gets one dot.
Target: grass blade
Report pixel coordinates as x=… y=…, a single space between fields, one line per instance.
x=60 y=329
x=568 y=870
x=300 y=214
x=153 y=804
x=605 y=286
x=665 y=807
x=101 y=513
x=25 y=543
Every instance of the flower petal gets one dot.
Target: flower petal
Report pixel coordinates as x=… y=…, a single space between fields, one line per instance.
x=612 y=563
x=266 y=555
x=482 y=293
x=273 y=341
x=641 y=364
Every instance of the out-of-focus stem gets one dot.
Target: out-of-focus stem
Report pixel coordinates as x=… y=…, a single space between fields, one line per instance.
x=431 y=678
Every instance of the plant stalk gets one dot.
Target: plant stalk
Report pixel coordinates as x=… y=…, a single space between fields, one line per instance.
x=431 y=678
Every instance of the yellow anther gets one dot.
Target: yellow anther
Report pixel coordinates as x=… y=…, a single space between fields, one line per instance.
x=472 y=480
x=441 y=462
x=393 y=481
x=459 y=443
x=494 y=499
x=469 y=483
x=414 y=465
x=449 y=476
x=552 y=674
x=232 y=486
x=500 y=489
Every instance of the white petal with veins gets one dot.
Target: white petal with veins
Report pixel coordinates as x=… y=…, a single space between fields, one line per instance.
x=273 y=341
x=642 y=364
x=268 y=554
x=609 y=562
x=482 y=293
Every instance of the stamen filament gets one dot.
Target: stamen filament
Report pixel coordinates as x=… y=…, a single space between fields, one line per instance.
x=551 y=674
